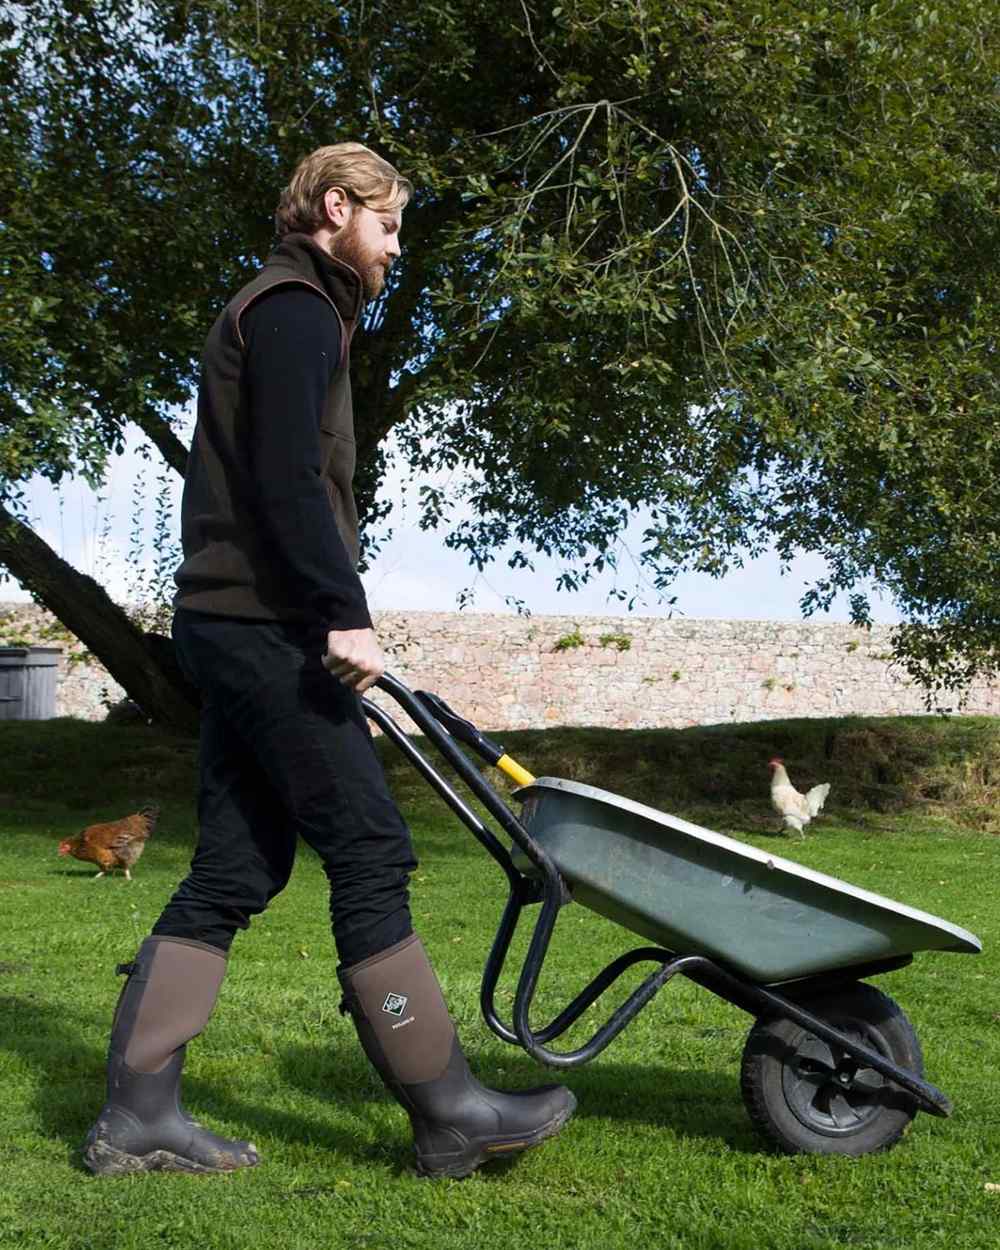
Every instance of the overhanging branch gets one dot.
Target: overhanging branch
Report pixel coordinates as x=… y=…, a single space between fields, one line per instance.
x=159 y=432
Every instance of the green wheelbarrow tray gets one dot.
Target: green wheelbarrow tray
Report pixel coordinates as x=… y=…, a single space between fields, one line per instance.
x=693 y=890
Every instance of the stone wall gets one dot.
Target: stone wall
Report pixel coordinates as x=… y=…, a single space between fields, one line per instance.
x=510 y=672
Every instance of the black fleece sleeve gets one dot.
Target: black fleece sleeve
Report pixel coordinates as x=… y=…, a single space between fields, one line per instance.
x=292 y=339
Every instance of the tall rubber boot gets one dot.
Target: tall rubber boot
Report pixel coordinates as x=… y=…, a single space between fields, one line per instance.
x=406 y=1032
x=170 y=992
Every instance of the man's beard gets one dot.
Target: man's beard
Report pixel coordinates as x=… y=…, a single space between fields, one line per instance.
x=346 y=246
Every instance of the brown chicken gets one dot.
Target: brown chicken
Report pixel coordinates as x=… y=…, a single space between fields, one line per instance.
x=115 y=845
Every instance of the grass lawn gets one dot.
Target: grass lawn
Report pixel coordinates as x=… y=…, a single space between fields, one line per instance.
x=660 y=1153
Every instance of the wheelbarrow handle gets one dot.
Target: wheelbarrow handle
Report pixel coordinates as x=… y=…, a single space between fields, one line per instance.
x=462 y=729
x=423 y=709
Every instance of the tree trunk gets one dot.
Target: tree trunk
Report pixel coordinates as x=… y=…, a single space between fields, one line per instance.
x=144 y=664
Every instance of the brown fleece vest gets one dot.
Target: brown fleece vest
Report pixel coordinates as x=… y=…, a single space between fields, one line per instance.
x=227 y=569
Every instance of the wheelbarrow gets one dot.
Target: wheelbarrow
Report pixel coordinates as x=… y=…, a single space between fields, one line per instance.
x=831 y=1064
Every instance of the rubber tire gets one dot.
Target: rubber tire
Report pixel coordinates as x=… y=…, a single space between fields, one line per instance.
x=773 y=1061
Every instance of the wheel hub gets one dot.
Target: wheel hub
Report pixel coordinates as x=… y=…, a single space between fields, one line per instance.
x=826 y=1089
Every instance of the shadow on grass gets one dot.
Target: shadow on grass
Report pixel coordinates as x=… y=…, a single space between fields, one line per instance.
x=89 y=874
x=691 y=1103
x=69 y=1090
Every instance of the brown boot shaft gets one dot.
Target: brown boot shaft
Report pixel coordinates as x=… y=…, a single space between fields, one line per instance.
x=167 y=1000
x=398 y=996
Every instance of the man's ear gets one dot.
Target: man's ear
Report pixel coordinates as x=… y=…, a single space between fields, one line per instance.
x=338 y=207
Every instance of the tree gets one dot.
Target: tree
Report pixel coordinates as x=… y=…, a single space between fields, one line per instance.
x=734 y=261
x=92 y=334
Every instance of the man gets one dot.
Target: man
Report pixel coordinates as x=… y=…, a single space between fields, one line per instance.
x=272 y=625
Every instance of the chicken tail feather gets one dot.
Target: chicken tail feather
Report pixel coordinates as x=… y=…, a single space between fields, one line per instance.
x=816 y=797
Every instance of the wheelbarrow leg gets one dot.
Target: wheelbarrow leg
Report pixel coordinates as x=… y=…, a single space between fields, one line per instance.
x=406 y=1032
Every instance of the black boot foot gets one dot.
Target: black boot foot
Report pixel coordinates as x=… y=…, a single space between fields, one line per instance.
x=144 y=1128
x=462 y=1155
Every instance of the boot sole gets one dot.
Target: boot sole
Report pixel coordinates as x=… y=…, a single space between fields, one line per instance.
x=105 y=1160
x=482 y=1150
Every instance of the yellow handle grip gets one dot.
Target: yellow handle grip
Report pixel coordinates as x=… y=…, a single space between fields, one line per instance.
x=514 y=770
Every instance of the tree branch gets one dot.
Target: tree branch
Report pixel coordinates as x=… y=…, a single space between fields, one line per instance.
x=159 y=432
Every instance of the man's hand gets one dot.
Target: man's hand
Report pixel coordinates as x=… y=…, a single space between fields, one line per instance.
x=354 y=656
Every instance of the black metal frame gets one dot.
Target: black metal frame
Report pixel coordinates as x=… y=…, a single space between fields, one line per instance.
x=549 y=889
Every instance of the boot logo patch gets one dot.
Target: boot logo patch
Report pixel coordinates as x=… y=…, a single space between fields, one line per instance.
x=395 y=1004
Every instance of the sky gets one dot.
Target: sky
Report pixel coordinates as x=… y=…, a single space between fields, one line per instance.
x=413 y=570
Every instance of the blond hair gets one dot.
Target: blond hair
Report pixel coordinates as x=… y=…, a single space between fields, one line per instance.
x=361 y=173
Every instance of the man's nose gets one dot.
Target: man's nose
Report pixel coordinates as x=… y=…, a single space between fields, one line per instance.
x=392 y=245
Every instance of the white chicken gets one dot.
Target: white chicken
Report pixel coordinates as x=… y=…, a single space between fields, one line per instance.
x=796 y=808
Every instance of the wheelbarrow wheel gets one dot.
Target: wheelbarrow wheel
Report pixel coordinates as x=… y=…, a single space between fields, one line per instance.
x=810 y=1097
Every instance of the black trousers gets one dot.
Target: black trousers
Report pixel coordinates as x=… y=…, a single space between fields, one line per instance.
x=285 y=750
